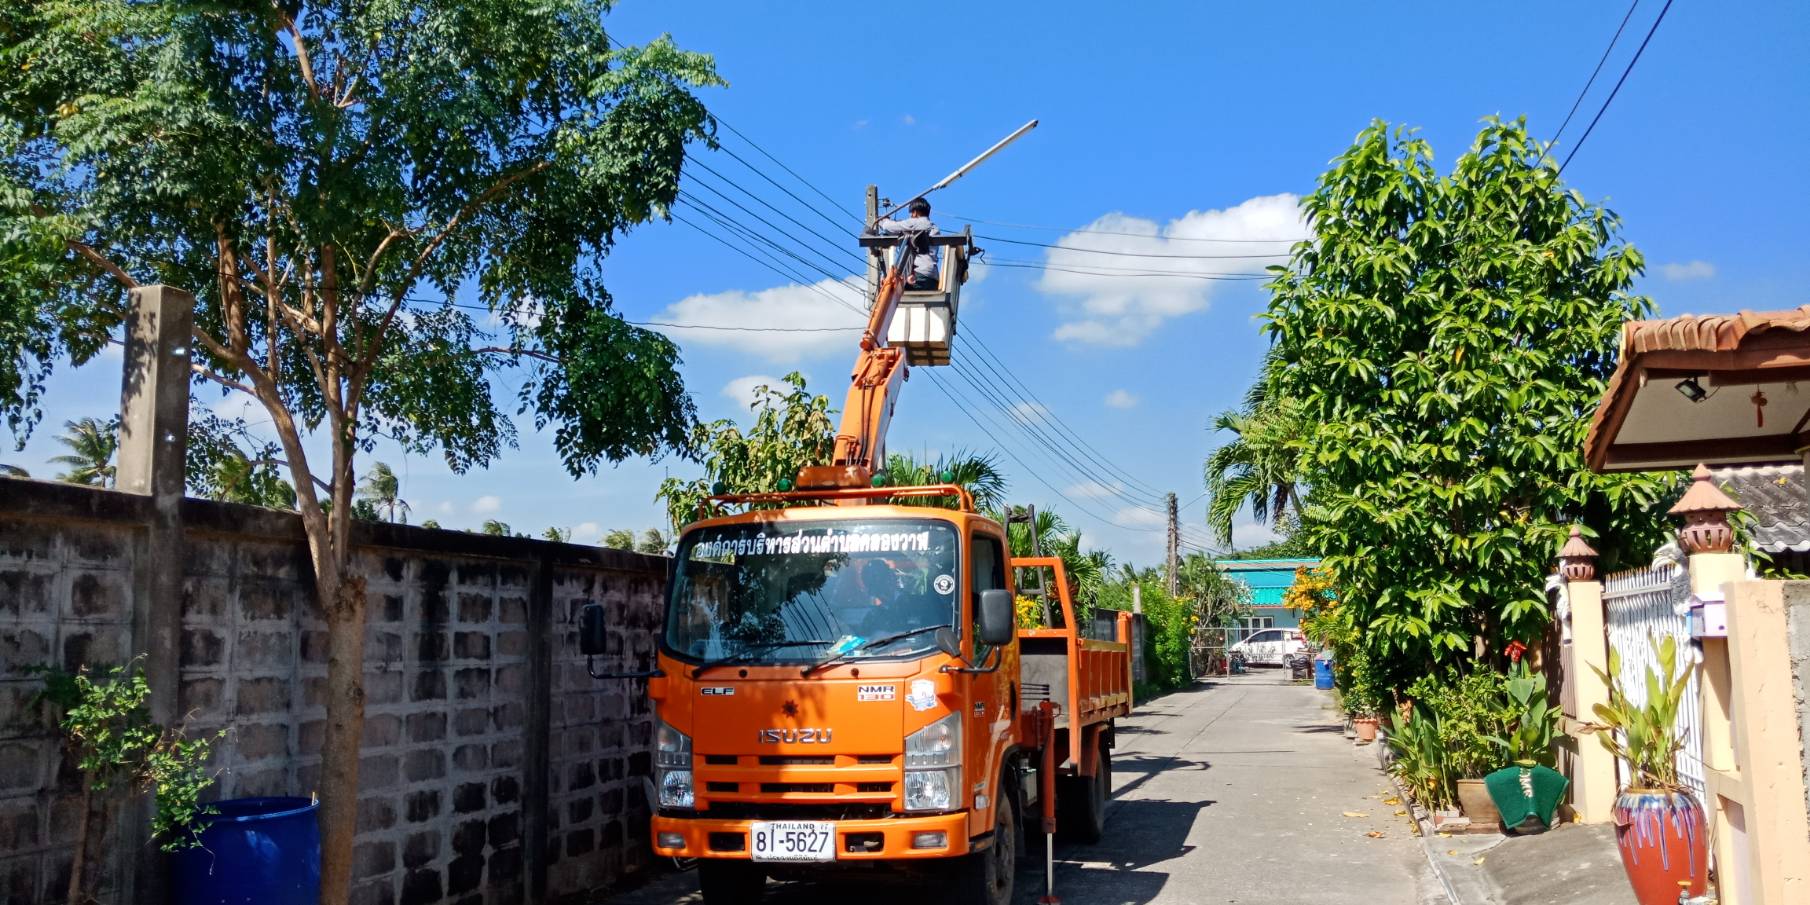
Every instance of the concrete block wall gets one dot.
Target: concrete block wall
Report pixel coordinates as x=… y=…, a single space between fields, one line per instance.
x=495 y=769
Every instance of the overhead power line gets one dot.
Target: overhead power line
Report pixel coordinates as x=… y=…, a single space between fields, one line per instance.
x=1135 y=274
x=1112 y=232
x=1617 y=90
x=1125 y=254
x=1595 y=72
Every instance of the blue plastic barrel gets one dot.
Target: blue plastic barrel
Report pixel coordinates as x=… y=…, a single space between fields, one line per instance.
x=255 y=851
x=1323 y=673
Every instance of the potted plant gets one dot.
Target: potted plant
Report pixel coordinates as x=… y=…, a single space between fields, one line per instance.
x=1361 y=695
x=1471 y=708
x=1527 y=794
x=1659 y=825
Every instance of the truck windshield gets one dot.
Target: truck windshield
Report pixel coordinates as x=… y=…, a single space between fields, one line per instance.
x=802 y=591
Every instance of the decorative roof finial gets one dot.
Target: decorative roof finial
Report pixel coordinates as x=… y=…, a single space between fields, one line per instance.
x=1577 y=560
x=1705 y=508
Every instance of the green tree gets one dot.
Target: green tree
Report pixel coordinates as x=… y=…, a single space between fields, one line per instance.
x=226 y=463
x=382 y=490
x=653 y=542
x=560 y=535
x=13 y=471
x=1446 y=337
x=92 y=443
x=431 y=523
x=619 y=539
x=1260 y=466
x=310 y=172
x=791 y=429
x=977 y=472
x=494 y=528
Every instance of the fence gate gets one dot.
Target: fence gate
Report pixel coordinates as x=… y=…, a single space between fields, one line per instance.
x=1643 y=606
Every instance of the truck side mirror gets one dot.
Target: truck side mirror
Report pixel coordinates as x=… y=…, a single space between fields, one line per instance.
x=593 y=632
x=997 y=624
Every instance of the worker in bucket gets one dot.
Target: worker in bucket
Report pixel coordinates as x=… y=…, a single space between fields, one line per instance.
x=916 y=228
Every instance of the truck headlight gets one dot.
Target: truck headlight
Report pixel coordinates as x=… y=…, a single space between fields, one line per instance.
x=933 y=766
x=672 y=767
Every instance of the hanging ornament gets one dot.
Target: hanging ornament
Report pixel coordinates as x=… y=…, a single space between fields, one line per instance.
x=1759 y=407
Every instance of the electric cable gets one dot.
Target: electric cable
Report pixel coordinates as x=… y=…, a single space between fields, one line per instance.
x=1595 y=72
x=1617 y=89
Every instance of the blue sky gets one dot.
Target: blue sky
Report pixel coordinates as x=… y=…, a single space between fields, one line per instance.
x=1188 y=118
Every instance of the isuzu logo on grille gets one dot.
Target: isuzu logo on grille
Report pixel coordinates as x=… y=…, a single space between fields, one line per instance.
x=794 y=736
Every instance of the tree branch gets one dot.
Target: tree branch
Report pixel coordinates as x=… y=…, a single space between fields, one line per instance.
x=227 y=382
x=301 y=51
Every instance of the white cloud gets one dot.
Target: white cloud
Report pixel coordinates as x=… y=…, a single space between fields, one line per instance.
x=587 y=533
x=445 y=507
x=1139 y=517
x=1110 y=307
x=1121 y=399
x=487 y=504
x=1689 y=270
x=1030 y=412
x=1248 y=534
x=1094 y=490
x=741 y=389
x=792 y=308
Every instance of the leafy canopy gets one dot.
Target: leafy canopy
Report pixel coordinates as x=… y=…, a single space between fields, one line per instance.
x=1446 y=336
x=309 y=171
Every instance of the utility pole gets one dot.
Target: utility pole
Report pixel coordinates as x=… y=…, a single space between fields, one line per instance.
x=873 y=260
x=1175 y=534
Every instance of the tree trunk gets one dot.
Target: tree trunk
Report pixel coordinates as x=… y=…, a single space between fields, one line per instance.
x=78 y=862
x=342 y=595
x=344 y=600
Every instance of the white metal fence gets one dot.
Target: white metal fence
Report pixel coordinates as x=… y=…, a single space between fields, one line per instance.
x=1642 y=606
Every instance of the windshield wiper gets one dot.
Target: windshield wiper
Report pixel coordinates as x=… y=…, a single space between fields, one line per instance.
x=745 y=655
x=871 y=642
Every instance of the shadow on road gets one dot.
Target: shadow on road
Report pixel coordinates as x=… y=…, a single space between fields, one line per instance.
x=1132 y=771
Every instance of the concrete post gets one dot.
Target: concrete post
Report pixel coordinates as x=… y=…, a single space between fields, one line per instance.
x=153 y=443
x=1593 y=783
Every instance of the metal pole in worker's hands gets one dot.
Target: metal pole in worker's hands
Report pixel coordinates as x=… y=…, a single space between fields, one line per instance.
x=963 y=170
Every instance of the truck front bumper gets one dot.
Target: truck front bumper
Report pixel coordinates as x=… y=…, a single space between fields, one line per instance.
x=888 y=838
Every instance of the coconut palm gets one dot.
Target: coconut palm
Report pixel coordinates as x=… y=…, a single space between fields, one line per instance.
x=92 y=443
x=494 y=528
x=13 y=471
x=1259 y=466
x=978 y=472
x=653 y=543
x=381 y=489
x=561 y=535
x=619 y=539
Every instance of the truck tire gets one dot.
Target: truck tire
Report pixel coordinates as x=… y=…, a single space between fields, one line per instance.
x=986 y=878
x=730 y=882
x=1081 y=803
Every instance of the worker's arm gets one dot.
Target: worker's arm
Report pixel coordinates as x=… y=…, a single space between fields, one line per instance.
x=890 y=227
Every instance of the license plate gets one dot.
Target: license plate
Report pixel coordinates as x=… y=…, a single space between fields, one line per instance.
x=793 y=840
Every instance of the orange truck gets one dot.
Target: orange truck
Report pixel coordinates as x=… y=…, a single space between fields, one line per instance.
x=842 y=684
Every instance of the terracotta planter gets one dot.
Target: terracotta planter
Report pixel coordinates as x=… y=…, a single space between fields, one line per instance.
x=1663 y=840
x=1473 y=798
x=1366 y=729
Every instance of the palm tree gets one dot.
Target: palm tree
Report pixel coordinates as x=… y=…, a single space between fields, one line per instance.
x=91 y=443
x=561 y=535
x=494 y=528
x=653 y=543
x=978 y=472
x=238 y=478
x=1260 y=466
x=381 y=489
x=619 y=539
x=431 y=523
x=13 y=471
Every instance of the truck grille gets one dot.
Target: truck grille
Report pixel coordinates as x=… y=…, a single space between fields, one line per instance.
x=783 y=810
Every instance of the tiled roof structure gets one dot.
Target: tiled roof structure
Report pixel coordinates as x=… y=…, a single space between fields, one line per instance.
x=1775 y=496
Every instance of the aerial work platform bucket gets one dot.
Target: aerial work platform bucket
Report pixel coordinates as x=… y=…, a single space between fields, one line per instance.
x=924 y=323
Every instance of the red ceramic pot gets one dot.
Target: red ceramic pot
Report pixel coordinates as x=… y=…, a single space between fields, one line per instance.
x=1664 y=840
x=1366 y=729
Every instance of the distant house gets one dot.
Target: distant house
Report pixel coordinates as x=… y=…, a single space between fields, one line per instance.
x=1269 y=580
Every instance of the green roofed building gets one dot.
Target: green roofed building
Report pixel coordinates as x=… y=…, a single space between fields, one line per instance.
x=1269 y=580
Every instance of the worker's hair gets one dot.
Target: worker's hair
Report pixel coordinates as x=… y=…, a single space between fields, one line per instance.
x=918 y=207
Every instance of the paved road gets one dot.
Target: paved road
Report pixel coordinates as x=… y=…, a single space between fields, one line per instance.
x=1233 y=791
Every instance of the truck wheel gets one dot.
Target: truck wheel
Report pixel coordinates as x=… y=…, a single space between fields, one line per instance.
x=730 y=882
x=985 y=878
x=1081 y=803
